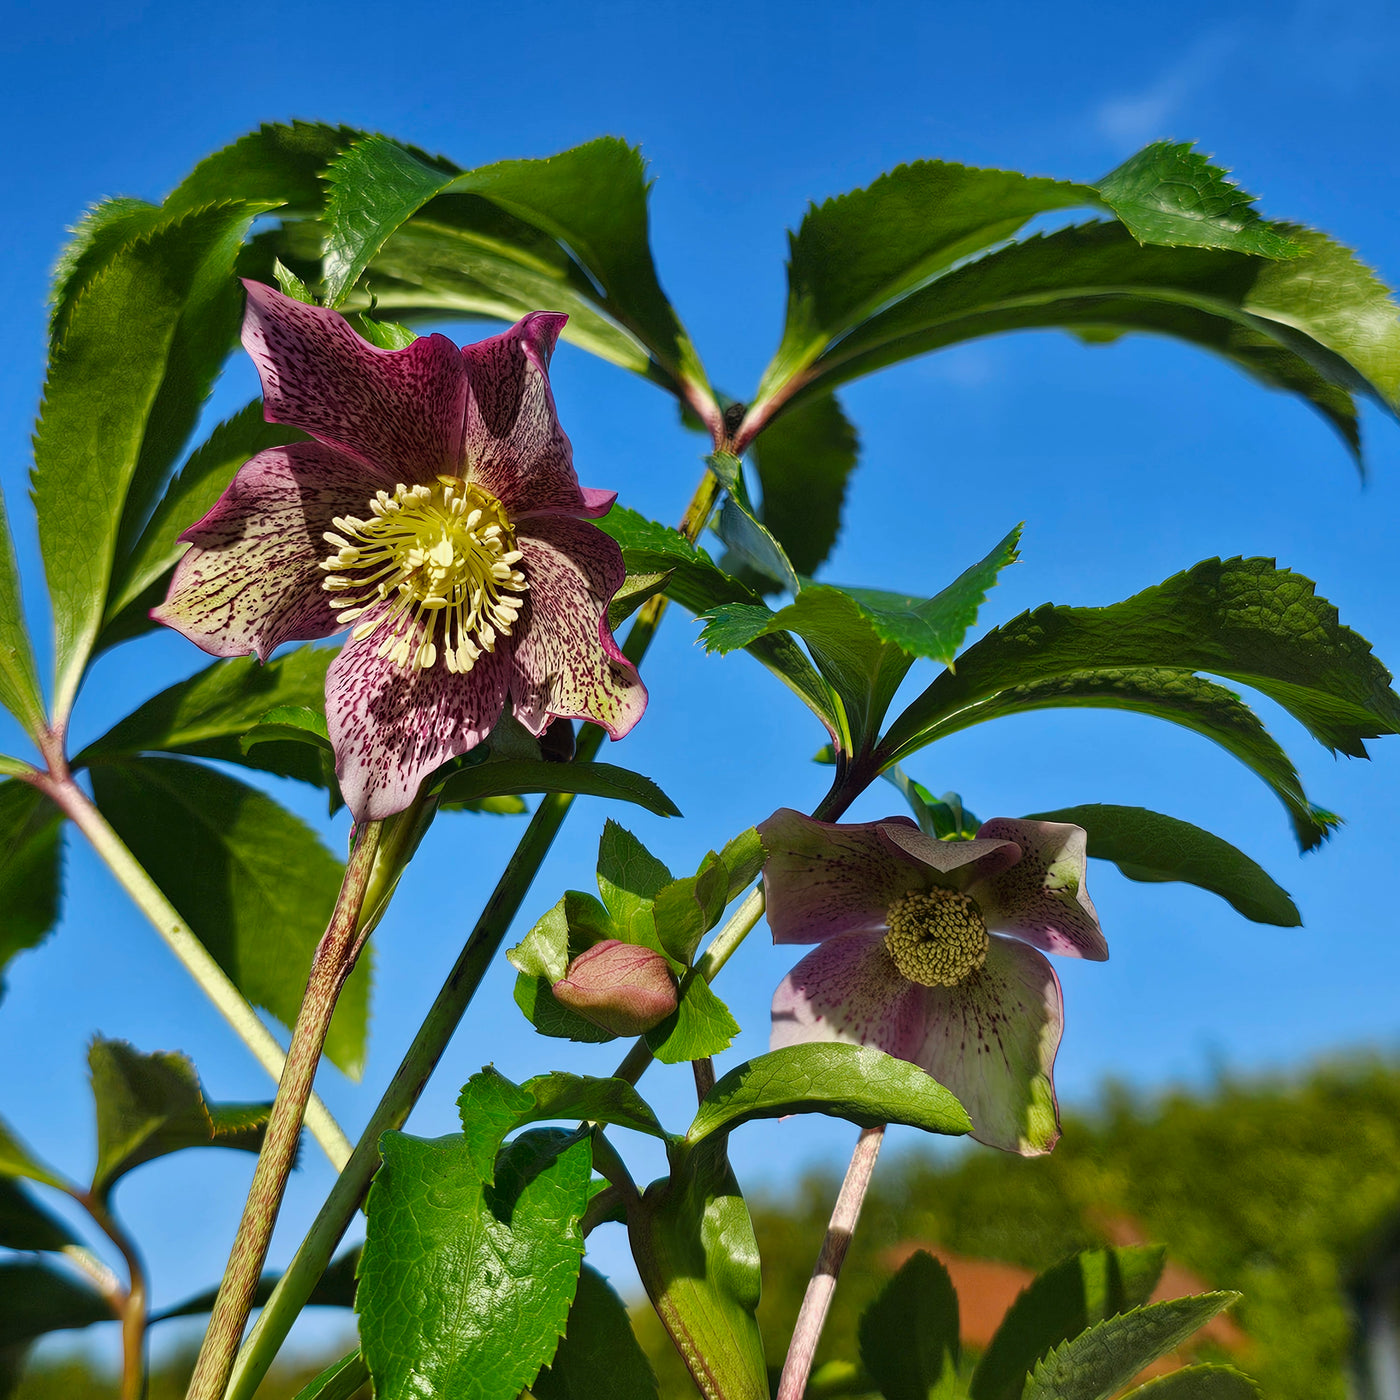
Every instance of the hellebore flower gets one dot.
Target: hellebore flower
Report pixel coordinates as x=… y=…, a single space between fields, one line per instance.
x=623 y=987
x=437 y=515
x=911 y=960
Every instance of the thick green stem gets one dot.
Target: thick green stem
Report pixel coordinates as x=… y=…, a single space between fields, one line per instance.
x=332 y=964
x=179 y=938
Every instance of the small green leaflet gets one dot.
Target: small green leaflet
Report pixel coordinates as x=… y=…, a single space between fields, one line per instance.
x=700 y=1026
x=17 y=1160
x=1199 y=1383
x=909 y=1334
x=19 y=678
x=31 y=835
x=1148 y=846
x=540 y=775
x=26 y=1225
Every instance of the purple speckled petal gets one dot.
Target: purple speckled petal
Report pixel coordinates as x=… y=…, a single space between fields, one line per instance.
x=849 y=990
x=513 y=445
x=958 y=863
x=252 y=578
x=399 y=409
x=391 y=726
x=992 y=1040
x=567 y=664
x=823 y=879
x=1041 y=898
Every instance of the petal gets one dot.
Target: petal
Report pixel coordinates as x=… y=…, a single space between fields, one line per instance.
x=849 y=990
x=992 y=1040
x=391 y=726
x=567 y=665
x=253 y=578
x=823 y=878
x=964 y=862
x=399 y=409
x=1041 y=898
x=513 y=445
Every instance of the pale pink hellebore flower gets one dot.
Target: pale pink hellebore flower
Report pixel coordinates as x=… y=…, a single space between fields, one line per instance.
x=436 y=514
x=911 y=958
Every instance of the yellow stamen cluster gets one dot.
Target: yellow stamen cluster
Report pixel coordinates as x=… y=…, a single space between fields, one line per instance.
x=936 y=938
x=443 y=558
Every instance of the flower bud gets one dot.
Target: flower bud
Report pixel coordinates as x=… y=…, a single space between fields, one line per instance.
x=624 y=988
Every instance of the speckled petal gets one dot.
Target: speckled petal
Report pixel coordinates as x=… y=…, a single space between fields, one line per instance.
x=823 y=879
x=848 y=990
x=513 y=445
x=391 y=726
x=567 y=664
x=252 y=577
x=1041 y=898
x=958 y=864
x=992 y=1040
x=398 y=409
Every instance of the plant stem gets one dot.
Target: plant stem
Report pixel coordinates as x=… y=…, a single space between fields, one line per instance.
x=812 y=1316
x=135 y=1303
x=332 y=964
x=180 y=939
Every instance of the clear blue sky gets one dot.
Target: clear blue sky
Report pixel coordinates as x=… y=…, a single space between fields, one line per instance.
x=1128 y=463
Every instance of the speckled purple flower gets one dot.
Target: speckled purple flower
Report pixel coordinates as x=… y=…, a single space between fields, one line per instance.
x=911 y=960
x=436 y=514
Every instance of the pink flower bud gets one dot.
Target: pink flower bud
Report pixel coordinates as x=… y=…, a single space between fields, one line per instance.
x=624 y=988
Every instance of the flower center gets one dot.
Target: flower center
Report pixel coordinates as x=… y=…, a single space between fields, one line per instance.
x=936 y=937
x=444 y=558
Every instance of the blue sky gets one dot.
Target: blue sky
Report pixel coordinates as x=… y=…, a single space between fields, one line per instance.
x=1127 y=463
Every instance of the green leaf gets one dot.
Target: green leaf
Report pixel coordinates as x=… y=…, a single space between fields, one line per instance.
x=490 y=1106
x=509 y=776
x=17 y=1160
x=201 y=481
x=695 y=1250
x=252 y=881
x=122 y=393
x=1060 y=1304
x=25 y=1224
x=491 y=1268
x=207 y=716
x=1241 y=618
x=387 y=335
x=149 y=1106
x=599 y=1355
x=685 y=910
x=97 y=236
x=290 y=285
x=744 y=534
x=1170 y=193
x=31 y=835
x=629 y=879
x=1099 y=1362
x=855 y=1082
x=1148 y=846
x=743 y=858
x=19 y=678
x=804 y=459
x=341 y=1380
x=592 y=200
x=36 y=1299
x=909 y=1334
x=1199 y=1383
x=576 y=922
x=699 y=1027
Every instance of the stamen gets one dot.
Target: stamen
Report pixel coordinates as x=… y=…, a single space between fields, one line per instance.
x=936 y=938
x=439 y=552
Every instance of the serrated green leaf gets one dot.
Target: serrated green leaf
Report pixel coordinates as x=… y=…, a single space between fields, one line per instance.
x=20 y=692
x=1100 y=1361
x=290 y=285
x=1059 y=1304
x=387 y=335
x=699 y=1027
x=31 y=835
x=102 y=230
x=36 y=1299
x=685 y=910
x=599 y=1355
x=149 y=1106
x=120 y=396
x=909 y=1334
x=201 y=481
x=251 y=880
x=1199 y=1383
x=576 y=922
x=855 y=1082
x=1241 y=618
x=1148 y=846
x=804 y=459
x=492 y=1269
x=25 y=1224
x=299 y=723
x=1170 y=193
x=509 y=776
x=695 y=1250
x=743 y=858
x=490 y=1107
x=629 y=879
x=535 y=997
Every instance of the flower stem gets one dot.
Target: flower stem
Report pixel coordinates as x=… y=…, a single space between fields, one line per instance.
x=812 y=1316
x=180 y=939
x=134 y=1303
x=332 y=964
